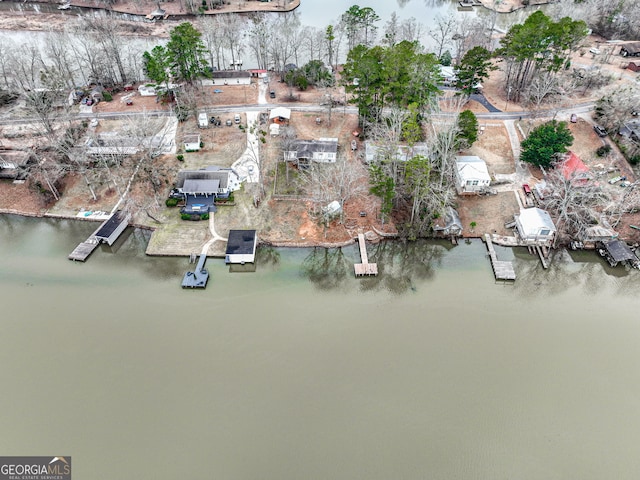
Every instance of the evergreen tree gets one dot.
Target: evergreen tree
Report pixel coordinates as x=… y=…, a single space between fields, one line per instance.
x=467 y=129
x=474 y=67
x=545 y=142
x=186 y=53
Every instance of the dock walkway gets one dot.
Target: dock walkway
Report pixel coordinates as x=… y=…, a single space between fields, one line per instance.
x=86 y=248
x=364 y=268
x=501 y=269
x=199 y=277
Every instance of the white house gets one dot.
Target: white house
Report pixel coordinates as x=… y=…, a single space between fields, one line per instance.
x=191 y=142
x=228 y=77
x=472 y=175
x=376 y=152
x=280 y=114
x=535 y=227
x=323 y=150
x=448 y=75
x=241 y=246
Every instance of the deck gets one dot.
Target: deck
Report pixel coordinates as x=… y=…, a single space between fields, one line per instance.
x=501 y=269
x=365 y=268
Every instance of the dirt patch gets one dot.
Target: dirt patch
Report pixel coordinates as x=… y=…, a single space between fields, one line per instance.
x=494 y=148
x=489 y=212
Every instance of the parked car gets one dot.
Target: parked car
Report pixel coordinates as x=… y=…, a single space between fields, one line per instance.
x=229 y=122
x=236 y=119
x=619 y=178
x=594 y=50
x=574 y=118
x=526 y=188
x=600 y=130
x=272 y=94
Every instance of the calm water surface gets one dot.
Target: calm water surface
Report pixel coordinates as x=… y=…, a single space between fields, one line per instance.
x=300 y=371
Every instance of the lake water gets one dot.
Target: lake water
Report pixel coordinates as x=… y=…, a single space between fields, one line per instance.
x=300 y=371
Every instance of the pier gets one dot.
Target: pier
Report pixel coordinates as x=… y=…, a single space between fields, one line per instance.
x=86 y=248
x=364 y=268
x=199 y=277
x=501 y=269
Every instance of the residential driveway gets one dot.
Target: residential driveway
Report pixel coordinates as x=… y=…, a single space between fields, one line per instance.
x=478 y=97
x=248 y=164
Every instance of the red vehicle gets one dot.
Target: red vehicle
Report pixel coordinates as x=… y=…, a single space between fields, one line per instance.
x=526 y=189
x=129 y=101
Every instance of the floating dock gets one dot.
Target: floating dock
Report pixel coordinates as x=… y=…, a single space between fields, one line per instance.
x=364 y=268
x=199 y=277
x=502 y=270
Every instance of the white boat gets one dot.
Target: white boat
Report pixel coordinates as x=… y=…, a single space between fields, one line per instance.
x=64 y=6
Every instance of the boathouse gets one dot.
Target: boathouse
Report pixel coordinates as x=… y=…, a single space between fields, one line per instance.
x=241 y=247
x=112 y=228
x=617 y=251
x=535 y=227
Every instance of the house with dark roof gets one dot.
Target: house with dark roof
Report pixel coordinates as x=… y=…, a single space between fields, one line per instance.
x=631 y=130
x=617 y=251
x=241 y=247
x=322 y=150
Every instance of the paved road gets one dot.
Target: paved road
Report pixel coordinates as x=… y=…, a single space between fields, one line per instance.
x=493 y=115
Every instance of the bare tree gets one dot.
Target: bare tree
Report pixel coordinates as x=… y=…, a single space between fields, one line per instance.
x=573 y=202
x=442 y=32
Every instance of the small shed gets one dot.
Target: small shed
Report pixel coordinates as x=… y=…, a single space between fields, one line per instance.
x=535 y=227
x=274 y=129
x=191 y=142
x=280 y=114
x=113 y=227
x=472 y=175
x=241 y=247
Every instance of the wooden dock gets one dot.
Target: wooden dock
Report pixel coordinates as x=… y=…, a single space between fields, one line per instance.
x=502 y=270
x=365 y=268
x=86 y=248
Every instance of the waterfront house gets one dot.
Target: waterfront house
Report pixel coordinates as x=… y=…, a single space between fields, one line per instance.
x=191 y=142
x=472 y=175
x=323 y=150
x=241 y=247
x=535 y=227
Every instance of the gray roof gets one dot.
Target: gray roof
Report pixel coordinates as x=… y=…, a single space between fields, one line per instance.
x=306 y=148
x=620 y=251
x=230 y=74
x=632 y=48
x=211 y=173
x=195 y=186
